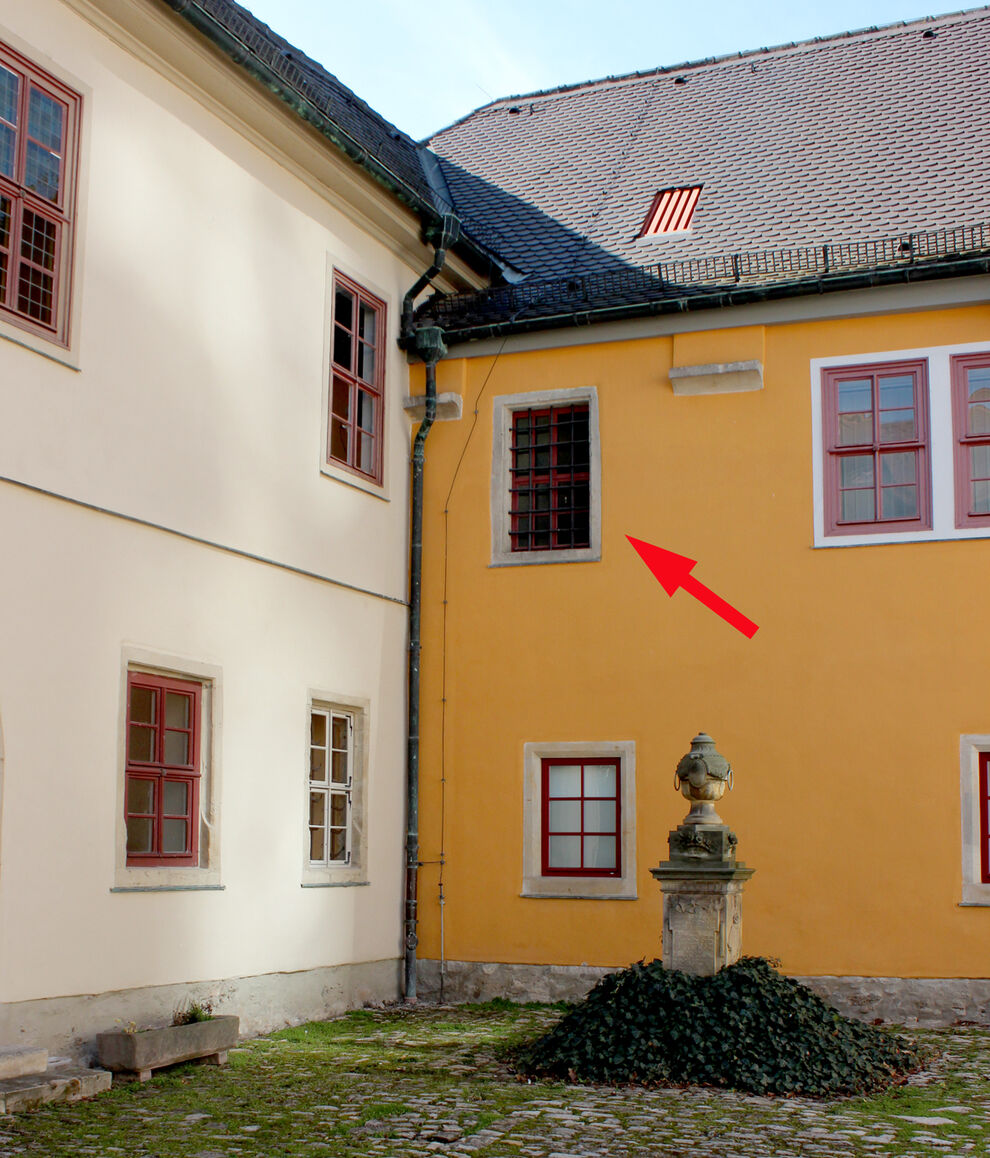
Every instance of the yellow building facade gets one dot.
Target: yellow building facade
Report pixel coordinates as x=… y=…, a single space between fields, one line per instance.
x=855 y=718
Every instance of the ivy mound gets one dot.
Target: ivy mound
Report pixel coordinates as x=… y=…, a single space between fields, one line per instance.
x=747 y=1028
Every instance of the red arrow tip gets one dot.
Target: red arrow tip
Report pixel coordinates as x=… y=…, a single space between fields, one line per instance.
x=670 y=569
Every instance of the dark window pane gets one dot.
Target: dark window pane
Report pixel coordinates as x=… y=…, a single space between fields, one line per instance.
x=176 y=798
x=338 y=809
x=317 y=764
x=344 y=309
x=7 y=144
x=340 y=733
x=341 y=348
x=338 y=845
x=177 y=748
x=366 y=362
x=341 y=398
x=140 y=795
x=855 y=396
x=856 y=429
x=897 y=426
x=317 y=846
x=143 y=701
x=318 y=808
x=177 y=708
x=9 y=86
x=900 y=502
x=140 y=833
x=858 y=506
x=141 y=743
x=981 y=498
x=856 y=470
x=897 y=468
x=46 y=118
x=318 y=729
x=42 y=171
x=174 y=836
x=339 y=768
x=338 y=440
x=897 y=393
x=369 y=323
x=366 y=410
x=366 y=453
x=35 y=291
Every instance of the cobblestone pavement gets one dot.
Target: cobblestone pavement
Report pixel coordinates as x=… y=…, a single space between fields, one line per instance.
x=430 y=1082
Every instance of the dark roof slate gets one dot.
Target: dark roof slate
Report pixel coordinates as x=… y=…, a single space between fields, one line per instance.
x=369 y=132
x=872 y=133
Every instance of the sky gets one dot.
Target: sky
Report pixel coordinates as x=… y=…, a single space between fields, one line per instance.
x=423 y=66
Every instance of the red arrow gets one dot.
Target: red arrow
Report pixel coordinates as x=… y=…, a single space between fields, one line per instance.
x=674 y=571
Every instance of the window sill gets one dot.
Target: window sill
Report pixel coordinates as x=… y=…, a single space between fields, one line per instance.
x=333 y=884
x=358 y=482
x=577 y=896
x=168 y=888
x=531 y=558
x=878 y=538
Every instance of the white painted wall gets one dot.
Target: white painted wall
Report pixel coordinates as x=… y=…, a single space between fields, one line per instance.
x=191 y=398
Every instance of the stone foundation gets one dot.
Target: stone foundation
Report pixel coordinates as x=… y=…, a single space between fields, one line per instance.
x=902 y=1000
x=69 y=1025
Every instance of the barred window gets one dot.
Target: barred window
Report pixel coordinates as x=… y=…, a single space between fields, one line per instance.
x=550 y=479
x=39 y=124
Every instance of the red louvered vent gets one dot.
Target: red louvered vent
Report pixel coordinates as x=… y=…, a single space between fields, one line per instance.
x=671 y=211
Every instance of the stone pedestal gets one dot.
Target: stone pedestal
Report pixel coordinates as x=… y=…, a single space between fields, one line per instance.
x=702 y=899
x=702 y=919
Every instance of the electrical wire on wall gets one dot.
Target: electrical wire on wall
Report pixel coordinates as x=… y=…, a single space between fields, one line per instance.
x=443 y=661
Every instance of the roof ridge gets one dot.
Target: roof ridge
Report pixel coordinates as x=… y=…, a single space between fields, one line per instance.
x=731 y=57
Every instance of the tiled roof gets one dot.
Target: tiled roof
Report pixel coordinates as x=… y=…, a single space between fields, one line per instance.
x=878 y=132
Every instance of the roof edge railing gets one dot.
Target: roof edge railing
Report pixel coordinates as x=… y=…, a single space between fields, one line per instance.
x=723 y=271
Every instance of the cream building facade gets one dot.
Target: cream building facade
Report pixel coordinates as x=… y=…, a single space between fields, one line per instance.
x=204 y=509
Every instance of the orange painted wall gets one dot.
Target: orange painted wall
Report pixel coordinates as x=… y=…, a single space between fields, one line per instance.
x=841 y=717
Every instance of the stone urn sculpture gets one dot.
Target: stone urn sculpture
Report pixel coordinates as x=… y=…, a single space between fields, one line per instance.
x=702 y=881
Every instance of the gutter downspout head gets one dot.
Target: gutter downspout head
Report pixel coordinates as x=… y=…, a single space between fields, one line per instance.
x=450 y=231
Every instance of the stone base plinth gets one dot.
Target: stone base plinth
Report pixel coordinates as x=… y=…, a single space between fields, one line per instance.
x=702 y=921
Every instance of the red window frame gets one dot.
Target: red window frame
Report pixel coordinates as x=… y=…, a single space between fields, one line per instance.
x=837 y=450
x=965 y=441
x=36 y=230
x=355 y=420
x=550 y=478
x=149 y=764
x=583 y=832
x=985 y=817
x=671 y=211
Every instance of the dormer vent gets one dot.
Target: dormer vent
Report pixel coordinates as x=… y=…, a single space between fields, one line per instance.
x=671 y=211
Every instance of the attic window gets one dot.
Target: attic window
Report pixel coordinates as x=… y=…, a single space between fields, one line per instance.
x=671 y=211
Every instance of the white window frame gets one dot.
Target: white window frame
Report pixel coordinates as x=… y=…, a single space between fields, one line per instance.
x=534 y=884
x=505 y=406
x=941 y=448
x=974 y=890
x=205 y=875
x=353 y=871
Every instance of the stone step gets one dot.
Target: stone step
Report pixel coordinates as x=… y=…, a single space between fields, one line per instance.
x=59 y=1083
x=17 y=1060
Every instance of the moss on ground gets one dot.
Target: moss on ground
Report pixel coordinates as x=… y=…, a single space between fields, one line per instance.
x=405 y=1082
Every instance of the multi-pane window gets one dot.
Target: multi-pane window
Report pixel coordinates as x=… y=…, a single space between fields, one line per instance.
x=580 y=817
x=331 y=760
x=985 y=817
x=971 y=413
x=38 y=137
x=876 y=444
x=550 y=488
x=163 y=770
x=357 y=374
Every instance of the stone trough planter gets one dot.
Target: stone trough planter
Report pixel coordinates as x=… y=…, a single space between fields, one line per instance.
x=149 y=1049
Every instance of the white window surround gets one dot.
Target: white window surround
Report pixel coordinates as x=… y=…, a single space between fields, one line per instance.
x=207 y=874
x=504 y=407
x=597 y=888
x=941 y=446
x=974 y=891
x=328 y=466
x=356 y=871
